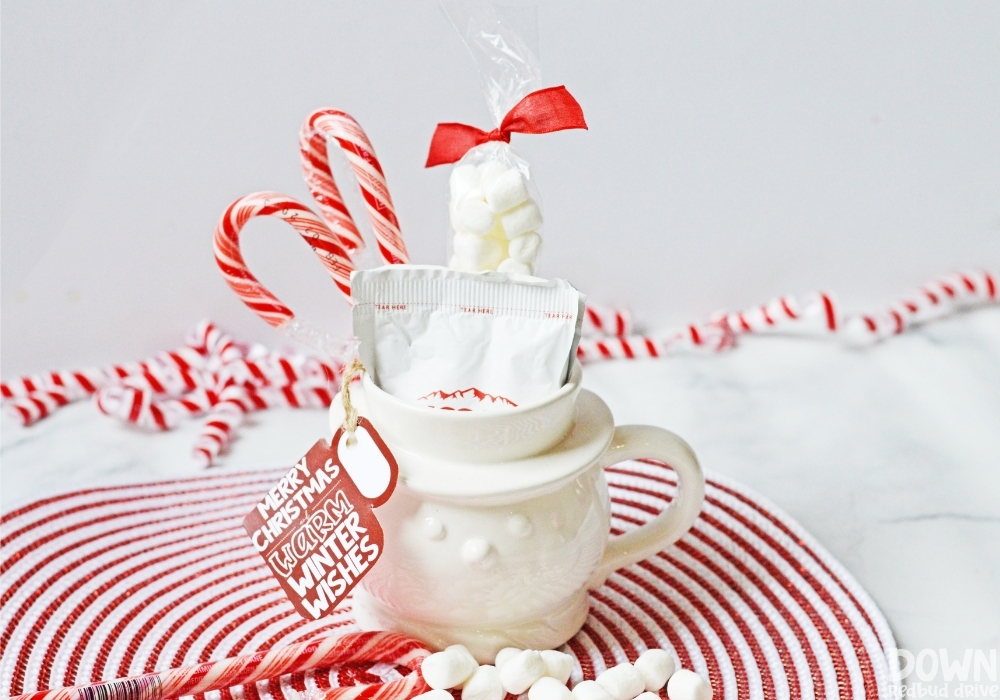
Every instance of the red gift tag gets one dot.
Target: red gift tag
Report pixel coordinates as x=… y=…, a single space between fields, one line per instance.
x=316 y=529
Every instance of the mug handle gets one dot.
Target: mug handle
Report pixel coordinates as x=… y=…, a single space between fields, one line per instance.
x=649 y=442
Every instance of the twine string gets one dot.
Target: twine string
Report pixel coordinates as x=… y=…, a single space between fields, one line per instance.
x=350 y=412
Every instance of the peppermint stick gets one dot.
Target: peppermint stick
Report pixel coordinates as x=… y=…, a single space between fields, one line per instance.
x=329 y=652
x=817 y=315
x=320 y=238
x=324 y=124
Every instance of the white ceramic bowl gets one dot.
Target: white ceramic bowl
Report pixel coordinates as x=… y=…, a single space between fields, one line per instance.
x=481 y=437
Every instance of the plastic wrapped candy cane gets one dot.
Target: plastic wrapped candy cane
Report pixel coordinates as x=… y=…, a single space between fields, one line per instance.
x=494 y=208
x=334 y=237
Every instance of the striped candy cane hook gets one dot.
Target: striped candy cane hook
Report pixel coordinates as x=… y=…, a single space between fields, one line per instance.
x=323 y=241
x=330 y=652
x=324 y=124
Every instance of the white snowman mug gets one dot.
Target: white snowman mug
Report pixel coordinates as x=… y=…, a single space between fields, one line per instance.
x=499 y=525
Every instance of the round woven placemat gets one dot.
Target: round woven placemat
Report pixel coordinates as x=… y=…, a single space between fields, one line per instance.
x=118 y=581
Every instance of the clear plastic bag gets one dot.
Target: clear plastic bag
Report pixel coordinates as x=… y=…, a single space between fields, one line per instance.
x=495 y=211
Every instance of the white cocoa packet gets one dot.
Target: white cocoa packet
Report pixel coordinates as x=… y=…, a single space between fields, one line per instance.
x=465 y=341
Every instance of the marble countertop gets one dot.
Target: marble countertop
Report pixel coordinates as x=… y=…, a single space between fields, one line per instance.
x=890 y=456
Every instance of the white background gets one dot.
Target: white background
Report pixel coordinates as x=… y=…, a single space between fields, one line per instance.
x=735 y=152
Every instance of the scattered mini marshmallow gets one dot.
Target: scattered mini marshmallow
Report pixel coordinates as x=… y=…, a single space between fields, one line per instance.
x=474 y=253
x=506 y=191
x=648 y=695
x=461 y=649
x=512 y=266
x=688 y=685
x=623 y=682
x=590 y=690
x=655 y=666
x=518 y=673
x=547 y=688
x=437 y=694
x=524 y=248
x=449 y=668
x=521 y=219
x=505 y=655
x=557 y=664
x=483 y=685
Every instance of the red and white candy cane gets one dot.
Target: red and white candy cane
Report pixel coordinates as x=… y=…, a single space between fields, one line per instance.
x=74 y=385
x=316 y=233
x=606 y=321
x=816 y=316
x=939 y=298
x=235 y=402
x=330 y=652
x=33 y=407
x=209 y=341
x=714 y=336
x=211 y=374
x=324 y=124
x=319 y=178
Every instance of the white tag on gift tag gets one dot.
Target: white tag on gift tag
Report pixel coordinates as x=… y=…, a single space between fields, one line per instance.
x=366 y=461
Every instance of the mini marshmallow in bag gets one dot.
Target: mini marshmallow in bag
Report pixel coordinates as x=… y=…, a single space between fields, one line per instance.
x=503 y=42
x=492 y=198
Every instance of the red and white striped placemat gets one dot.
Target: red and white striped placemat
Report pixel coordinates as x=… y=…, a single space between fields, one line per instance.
x=118 y=581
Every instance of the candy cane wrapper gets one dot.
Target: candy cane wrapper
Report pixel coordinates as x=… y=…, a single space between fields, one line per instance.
x=332 y=243
x=313 y=230
x=607 y=321
x=325 y=126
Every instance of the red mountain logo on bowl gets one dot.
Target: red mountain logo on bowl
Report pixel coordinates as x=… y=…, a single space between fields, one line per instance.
x=463 y=400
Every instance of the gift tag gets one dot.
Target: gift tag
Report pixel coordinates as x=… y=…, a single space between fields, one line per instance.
x=316 y=529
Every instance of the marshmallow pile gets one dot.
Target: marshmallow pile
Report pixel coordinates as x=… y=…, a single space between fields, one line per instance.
x=643 y=680
x=544 y=675
x=496 y=221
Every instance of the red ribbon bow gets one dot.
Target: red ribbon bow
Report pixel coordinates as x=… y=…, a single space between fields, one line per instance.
x=541 y=112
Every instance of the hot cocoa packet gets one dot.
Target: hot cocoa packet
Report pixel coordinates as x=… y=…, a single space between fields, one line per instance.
x=465 y=341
